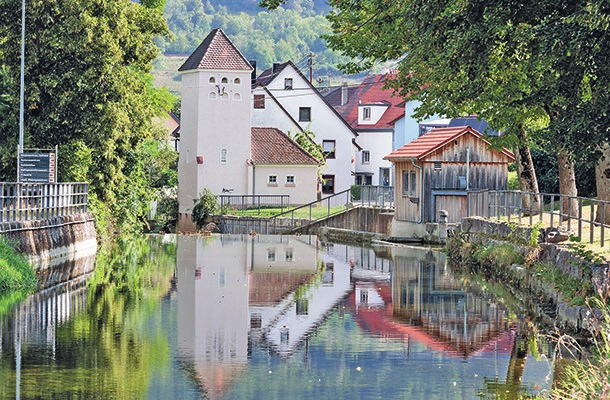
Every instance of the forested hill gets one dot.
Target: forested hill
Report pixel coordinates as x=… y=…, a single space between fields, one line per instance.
x=288 y=33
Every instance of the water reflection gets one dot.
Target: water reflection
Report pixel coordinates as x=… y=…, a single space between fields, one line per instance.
x=252 y=317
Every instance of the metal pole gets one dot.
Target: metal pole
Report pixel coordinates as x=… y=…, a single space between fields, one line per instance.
x=21 y=91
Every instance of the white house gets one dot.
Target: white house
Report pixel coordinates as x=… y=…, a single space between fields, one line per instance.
x=216 y=135
x=284 y=98
x=371 y=111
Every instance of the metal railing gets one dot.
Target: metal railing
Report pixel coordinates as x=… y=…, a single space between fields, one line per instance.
x=374 y=196
x=552 y=209
x=243 y=202
x=33 y=201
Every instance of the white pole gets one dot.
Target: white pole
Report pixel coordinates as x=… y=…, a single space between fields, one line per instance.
x=21 y=91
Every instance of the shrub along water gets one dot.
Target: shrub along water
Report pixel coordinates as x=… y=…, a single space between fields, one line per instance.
x=15 y=271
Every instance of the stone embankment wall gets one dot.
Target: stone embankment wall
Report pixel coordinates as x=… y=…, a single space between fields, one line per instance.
x=362 y=219
x=52 y=238
x=539 y=296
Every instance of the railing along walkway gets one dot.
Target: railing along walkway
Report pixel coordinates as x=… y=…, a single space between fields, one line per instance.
x=548 y=209
x=370 y=196
x=34 y=201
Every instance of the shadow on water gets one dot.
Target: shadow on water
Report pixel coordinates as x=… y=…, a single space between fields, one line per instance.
x=274 y=317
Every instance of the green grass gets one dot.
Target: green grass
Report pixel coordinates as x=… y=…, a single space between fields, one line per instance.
x=267 y=212
x=15 y=271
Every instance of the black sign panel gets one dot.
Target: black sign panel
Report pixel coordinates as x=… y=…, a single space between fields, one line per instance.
x=37 y=167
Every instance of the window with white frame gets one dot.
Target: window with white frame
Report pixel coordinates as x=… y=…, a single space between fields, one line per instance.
x=288 y=83
x=290 y=179
x=366 y=113
x=224 y=155
x=272 y=180
x=366 y=156
x=405 y=183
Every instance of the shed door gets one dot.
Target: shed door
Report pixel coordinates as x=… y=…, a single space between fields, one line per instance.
x=455 y=206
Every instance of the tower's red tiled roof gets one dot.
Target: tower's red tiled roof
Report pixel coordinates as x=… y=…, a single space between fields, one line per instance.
x=431 y=141
x=371 y=93
x=216 y=51
x=272 y=146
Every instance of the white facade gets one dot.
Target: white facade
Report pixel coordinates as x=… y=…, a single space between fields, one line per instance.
x=272 y=114
x=308 y=108
x=375 y=145
x=297 y=181
x=215 y=145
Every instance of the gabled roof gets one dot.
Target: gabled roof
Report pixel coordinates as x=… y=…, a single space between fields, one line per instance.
x=435 y=139
x=216 y=51
x=272 y=146
x=369 y=93
x=269 y=75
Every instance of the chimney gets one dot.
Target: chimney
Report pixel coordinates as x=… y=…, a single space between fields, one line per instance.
x=253 y=76
x=344 y=93
x=276 y=67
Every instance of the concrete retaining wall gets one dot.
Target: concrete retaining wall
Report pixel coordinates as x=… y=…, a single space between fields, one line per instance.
x=541 y=296
x=46 y=239
x=363 y=219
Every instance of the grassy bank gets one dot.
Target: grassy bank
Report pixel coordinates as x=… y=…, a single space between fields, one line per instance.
x=16 y=274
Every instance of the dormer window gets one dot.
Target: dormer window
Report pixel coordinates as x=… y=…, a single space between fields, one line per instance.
x=288 y=84
x=366 y=113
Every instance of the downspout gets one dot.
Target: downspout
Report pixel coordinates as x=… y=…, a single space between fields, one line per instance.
x=421 y=191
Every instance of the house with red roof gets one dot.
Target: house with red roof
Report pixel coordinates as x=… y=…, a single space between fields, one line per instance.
x=284 y=98
x=219 y=148
x=371 y=110
x=435 y=171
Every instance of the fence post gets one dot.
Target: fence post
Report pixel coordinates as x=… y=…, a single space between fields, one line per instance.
x=603 y=224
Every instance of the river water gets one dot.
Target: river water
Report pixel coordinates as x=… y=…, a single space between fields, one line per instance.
x=266 y=317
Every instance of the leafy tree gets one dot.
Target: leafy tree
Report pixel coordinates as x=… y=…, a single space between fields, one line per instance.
x=88 y=90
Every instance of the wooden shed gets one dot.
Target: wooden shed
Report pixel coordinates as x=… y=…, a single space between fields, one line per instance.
x=435 y=171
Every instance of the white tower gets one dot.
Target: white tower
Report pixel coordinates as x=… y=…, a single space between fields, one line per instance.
x=215 y=123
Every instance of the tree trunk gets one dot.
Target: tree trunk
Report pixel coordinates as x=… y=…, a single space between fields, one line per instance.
x=602 y=181
x=567 y=186
x=527 y=176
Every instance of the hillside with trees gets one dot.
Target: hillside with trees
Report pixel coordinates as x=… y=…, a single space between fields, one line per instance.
x=289 y=32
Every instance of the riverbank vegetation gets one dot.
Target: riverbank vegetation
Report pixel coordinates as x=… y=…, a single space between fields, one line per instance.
x=16 y=274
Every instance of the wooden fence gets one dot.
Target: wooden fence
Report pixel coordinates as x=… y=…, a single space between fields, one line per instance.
x=34 y=201
x=576 y=214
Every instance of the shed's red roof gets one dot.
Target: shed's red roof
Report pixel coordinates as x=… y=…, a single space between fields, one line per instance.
x=434 y=140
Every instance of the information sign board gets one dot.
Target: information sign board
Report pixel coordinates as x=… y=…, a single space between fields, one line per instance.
x=37 y=167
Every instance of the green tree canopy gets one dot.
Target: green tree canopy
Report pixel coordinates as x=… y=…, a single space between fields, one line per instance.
x=87 y=86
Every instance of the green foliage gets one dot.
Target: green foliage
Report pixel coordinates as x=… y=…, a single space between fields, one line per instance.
x=88 y=90
x=167 y=209
x=16 y=274
x=356 y=192
x=547 y=173
x=588 y=378
x=289 y=32
x=205 y=205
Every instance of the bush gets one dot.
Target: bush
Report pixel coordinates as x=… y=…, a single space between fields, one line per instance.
x=206 y=205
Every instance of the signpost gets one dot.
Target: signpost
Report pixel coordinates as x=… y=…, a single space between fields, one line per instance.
x=37 y=168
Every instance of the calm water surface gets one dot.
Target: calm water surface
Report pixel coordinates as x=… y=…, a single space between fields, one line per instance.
x=265 y=317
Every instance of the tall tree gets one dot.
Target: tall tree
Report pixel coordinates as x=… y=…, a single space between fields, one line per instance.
x=86 y=73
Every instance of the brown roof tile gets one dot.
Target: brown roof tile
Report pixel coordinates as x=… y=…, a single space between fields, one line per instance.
x=272 y=146
x=431 y=141
x=216 y=51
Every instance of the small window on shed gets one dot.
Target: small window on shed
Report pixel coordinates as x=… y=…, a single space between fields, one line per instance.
x=405 y=183
x=413 y=184
x=437 y=166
